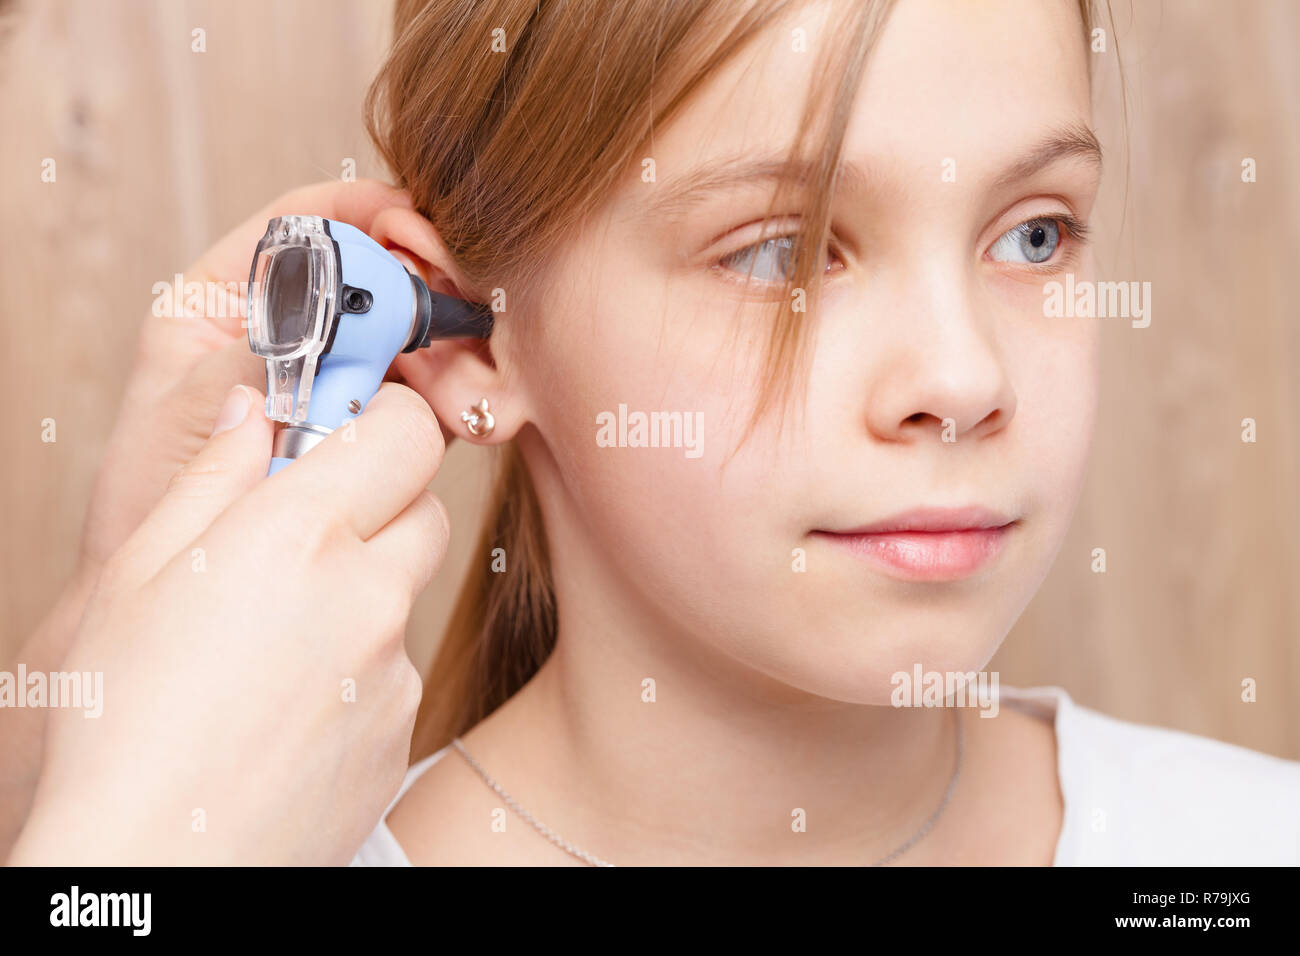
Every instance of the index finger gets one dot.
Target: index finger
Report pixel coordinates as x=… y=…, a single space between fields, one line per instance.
x=365 y=473
x=356 y=203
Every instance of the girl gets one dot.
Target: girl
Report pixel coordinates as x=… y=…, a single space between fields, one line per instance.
x=820 y=233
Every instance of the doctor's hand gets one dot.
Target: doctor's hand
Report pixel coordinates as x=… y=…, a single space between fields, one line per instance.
x=192 y=349
x=257 y=699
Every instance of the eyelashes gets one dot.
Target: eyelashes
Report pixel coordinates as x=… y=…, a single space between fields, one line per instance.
x=760 y=257
x=1041 y=242
x=1036 y=241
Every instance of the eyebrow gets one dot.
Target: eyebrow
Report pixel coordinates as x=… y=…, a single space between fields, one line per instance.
x=691 y=188
x=1070 y=142
x=680 y=193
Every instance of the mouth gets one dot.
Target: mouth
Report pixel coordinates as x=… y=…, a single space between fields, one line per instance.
x=929 y=544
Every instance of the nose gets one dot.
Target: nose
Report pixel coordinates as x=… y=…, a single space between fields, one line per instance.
x=942 y=375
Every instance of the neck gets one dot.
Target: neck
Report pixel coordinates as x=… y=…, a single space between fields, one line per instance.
x=645 y=745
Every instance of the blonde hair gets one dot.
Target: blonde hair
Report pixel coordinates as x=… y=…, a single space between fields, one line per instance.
x=507 y=152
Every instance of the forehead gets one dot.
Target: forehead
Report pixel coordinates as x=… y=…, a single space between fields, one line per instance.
x=978 y=82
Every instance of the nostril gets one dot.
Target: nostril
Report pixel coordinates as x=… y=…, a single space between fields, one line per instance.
x=990 y=422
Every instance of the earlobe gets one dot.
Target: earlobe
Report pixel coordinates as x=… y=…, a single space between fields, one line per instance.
x=479 y=419
x=459 y=378
x=465 y=389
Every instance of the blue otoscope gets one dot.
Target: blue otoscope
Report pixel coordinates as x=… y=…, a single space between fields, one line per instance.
x=329 y=309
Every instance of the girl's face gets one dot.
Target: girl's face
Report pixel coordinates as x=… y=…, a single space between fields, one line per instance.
x=936 y=381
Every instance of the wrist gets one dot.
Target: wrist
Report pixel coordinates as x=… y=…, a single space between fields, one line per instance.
x=51 y=837
x=22 y=728
x=48 y=645
x=63 y=829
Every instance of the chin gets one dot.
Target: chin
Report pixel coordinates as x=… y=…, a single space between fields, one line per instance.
x=859 y=664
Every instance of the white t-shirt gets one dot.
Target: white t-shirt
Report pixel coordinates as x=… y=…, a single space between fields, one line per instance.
x=1134 y=795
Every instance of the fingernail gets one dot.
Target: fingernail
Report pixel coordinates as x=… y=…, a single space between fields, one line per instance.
x=234 y=411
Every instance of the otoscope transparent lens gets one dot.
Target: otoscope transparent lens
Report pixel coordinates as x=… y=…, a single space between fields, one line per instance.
x=291 y=312
x=290 y=297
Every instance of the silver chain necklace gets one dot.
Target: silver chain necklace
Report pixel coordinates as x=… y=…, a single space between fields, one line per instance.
x=593 y=860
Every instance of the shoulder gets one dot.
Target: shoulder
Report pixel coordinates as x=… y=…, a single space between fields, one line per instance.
x=1142 y=795
x=445 y=815
x=381 y=847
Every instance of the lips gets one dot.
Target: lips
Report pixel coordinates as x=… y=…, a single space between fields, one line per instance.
x=929 y=544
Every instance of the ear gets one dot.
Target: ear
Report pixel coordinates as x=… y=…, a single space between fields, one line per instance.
x=452 y=375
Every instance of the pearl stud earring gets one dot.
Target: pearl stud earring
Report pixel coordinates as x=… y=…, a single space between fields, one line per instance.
x=479 y=420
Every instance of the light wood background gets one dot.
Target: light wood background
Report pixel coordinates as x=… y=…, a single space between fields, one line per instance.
x=160 y=150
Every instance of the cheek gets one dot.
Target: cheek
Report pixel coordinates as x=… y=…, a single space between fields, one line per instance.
x=1056 y=414
x=672 y=520
x=623 y=344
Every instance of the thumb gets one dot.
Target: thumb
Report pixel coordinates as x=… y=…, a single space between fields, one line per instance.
x=195 y=402
x=232 y=461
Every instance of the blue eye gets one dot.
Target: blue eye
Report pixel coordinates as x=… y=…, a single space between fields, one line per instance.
x=763 y=257
x=772 y=260
x=1033 y=241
